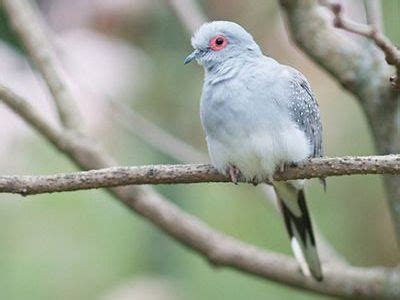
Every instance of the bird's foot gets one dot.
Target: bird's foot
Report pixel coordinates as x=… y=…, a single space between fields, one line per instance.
x=284 y=166
x=234 y=174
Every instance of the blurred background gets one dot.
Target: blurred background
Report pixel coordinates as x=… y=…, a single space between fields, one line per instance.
x=85 y=245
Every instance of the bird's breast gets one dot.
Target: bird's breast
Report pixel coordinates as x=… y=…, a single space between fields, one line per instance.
x=252 y=135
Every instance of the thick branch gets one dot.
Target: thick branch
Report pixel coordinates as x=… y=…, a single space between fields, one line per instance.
x=221 y=250
x=34 y=34
x=178 y=174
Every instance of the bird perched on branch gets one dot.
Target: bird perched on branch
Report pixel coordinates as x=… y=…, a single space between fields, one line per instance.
x=259 y=115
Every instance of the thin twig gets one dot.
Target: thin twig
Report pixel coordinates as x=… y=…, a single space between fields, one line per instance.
x=34 y=35
x=392 y=53
x=29 y=114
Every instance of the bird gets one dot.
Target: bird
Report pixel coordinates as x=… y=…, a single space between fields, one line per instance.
x=259 y=116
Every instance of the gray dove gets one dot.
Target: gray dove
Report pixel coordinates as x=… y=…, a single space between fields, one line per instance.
x=259 y=115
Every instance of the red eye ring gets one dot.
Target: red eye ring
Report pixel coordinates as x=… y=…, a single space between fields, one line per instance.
x=218 y=43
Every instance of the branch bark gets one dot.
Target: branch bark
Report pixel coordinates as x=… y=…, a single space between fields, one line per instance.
x=184 y=174
x=341 y=56
x=392 y=54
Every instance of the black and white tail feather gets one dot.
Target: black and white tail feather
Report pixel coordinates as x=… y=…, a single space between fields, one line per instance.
x=293 y=206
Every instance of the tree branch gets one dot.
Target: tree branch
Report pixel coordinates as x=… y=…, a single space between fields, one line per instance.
x=344 y=58
x=392 y=53
x=34 y=35
x=23 y=108
x=183 y=174
x=373 y=13
x=221 y=250
x=216 y=247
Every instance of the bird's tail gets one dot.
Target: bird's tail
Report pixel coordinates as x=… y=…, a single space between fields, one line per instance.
x=292 y=204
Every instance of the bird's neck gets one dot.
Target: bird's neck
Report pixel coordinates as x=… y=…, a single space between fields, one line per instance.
x=222 y=71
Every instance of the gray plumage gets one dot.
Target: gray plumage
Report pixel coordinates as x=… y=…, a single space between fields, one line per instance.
x=259 y=115
x=305 y=112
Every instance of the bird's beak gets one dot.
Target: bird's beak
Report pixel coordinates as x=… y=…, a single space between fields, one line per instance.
x=192 y=56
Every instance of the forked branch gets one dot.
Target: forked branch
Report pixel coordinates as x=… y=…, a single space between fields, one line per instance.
x=391 y=52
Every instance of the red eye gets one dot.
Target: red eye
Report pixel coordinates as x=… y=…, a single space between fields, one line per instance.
x=218 y=42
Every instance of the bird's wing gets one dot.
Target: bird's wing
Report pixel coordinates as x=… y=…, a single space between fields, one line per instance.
x=304 y=111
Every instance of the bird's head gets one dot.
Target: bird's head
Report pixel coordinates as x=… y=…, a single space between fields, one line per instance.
x=219 y=41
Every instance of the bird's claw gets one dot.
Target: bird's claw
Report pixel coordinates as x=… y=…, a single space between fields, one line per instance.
x=284 y=166
x=234 y=174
